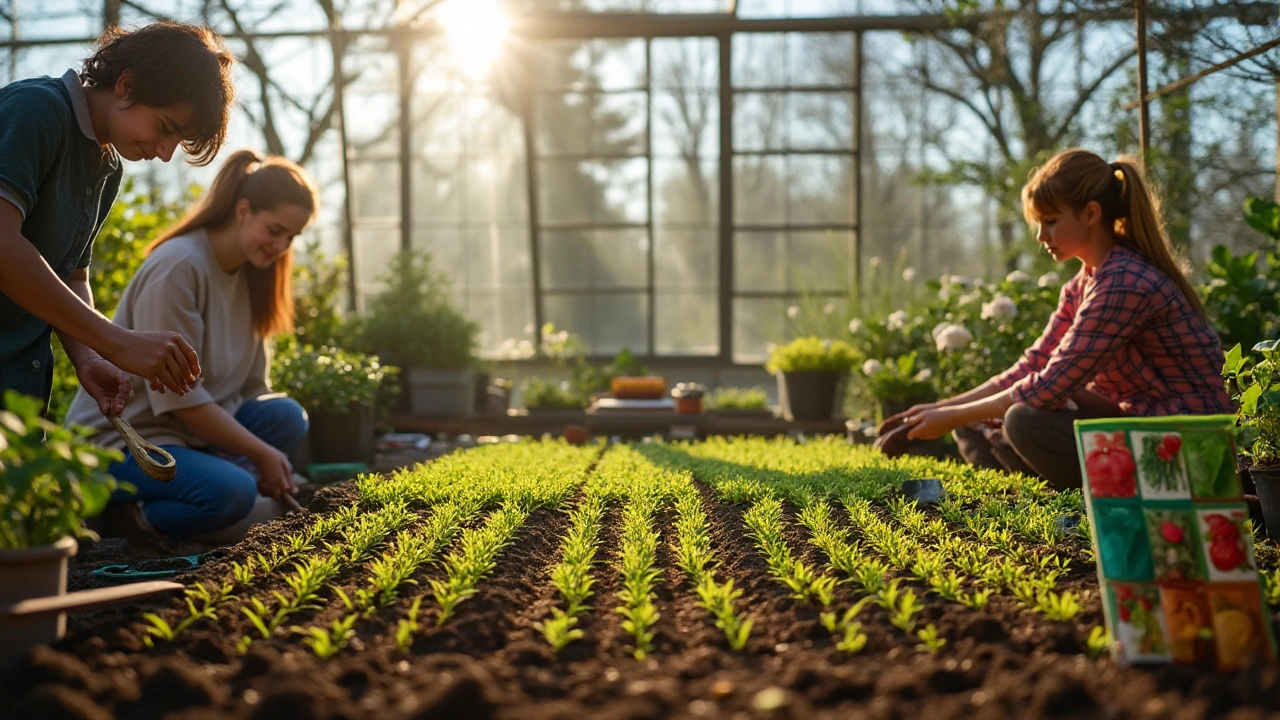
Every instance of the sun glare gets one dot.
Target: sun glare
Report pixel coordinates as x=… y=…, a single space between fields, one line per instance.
x=476 y=31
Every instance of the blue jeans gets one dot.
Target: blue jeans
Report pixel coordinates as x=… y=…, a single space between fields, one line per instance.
x=212 y=492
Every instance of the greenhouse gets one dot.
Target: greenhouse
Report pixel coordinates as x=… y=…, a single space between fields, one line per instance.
x=639 y=358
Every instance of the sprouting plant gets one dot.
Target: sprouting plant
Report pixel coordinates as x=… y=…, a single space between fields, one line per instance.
x=1099 y=641
x=408 y=626
x=853 y=639
x=947 y=586
x=907 y=606
x=560 y=629
x=836 y=623
x=976 y=600
x=929 y=640
x=871 y=576
x=1059 y=606
x=326 y=643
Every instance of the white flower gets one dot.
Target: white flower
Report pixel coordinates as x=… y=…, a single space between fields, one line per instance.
x=828 y=308
x=509 y=345
x=855 y=325
x=909 y=274
x=826 y=343
x=969 y=297
x=873 y=261
x=924 y=375
x=937 y=329
x=562 y=336
x=953 y=337
x=896 y=320
x=1049 y=279
x=524 y=349
x=528 y=329
x=1017 y=276
x=793 y=312
x=1001 y=307
x=871 y=367
x=944 y=292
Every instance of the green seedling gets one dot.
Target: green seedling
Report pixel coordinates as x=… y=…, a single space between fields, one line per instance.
x=930 y=642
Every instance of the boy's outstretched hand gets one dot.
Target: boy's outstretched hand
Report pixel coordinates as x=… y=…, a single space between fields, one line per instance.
x=164 y=359
x=107 y=384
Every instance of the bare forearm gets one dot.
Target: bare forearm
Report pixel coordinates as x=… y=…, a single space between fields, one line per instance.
x=28 y=280
x=217 y=427
x=76 y=350
x=991 y=406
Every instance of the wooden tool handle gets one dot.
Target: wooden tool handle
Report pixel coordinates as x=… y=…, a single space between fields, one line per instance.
x=163 y=470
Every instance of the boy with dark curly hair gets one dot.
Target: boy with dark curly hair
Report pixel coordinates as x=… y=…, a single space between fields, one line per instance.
x=142 y=94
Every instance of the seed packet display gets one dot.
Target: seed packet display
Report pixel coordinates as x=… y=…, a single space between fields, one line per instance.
x=1175 y=559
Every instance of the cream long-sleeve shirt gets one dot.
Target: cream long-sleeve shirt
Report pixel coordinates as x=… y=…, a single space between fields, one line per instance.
x=180 y=287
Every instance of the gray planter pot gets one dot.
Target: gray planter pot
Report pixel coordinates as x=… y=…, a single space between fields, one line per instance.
x=808 y=395
x=1266 y=479
x=342 y=437
x=32 y=573
x=441 y=393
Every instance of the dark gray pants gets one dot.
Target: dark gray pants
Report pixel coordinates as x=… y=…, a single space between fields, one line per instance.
x=1031 y=440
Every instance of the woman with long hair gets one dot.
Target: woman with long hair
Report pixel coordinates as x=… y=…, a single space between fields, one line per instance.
x=1129 y=337
x=220 y=277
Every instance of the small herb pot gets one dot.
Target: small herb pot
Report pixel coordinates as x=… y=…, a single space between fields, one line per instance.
x=688 y=398
x=32 y=573
x=1266 y=479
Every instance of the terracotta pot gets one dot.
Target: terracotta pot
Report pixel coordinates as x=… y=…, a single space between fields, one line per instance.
x=32 y=573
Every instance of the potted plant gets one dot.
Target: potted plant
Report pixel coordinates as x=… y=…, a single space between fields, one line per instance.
x=744 y=402
x=1256 y=387
x=414 y=325
x=809 y=371
x=897 y=384
x=51 y=479
x=542 y=395
x=340 y=391
x=688 y=398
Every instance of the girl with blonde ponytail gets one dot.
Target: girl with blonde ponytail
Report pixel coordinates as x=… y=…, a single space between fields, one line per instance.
x=221 y=277
x=1129 y=337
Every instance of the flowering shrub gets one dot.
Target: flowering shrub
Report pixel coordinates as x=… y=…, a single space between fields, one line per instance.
x=329 y=379
x=811 y=354
x=897 y=384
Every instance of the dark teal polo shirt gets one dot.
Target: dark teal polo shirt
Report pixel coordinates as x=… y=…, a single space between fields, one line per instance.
x=55 y=172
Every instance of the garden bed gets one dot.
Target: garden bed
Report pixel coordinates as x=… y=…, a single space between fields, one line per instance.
x=490 y=659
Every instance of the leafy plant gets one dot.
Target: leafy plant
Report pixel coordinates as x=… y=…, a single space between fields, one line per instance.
x=1256 y=386
x=812 y=354
x=732 y=398
x=413 y=322
x=329 y=379
x=548 y=394
x=51 y=478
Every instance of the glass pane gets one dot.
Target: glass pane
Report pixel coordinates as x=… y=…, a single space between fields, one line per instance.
x=686 y=193
x=756 y=60
x=448 y=252
x=760 y=261
x=801 y=8
x=686 y=122
x=606 y=124
x=594 y=259
x=376 y=193
x=496 y=189
x=606 y=323
x=496 y=258
x=437 y=190
x=821 y=121
x=685 y=64
x=759 y=189
x=600 y=191
x=686 y=324
x=490 y=127
x=567 y=262
x=756 y=323
x=376 y=245
x=820 y=59
x=820 y=188
x=686 y=259
x=819 y=260
x=501 y=316
x=437 y=126
x=591 y=65
x=759 y=121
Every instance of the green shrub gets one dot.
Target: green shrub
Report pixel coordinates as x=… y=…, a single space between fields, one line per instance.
x=329 y=379
x=811 y=354
x=732 y=398
x=1256 y=387
x=51 y=478
x=413 y=323
x=541 y=393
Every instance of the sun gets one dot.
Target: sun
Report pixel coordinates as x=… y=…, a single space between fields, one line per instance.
x=476 y=31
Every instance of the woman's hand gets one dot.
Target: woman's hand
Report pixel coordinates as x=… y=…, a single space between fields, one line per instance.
x=931 y=423
x=275 y=474
x=107 y=384
x=892 y=423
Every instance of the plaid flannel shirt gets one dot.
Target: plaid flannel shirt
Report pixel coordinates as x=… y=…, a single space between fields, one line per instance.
x=1125 y=331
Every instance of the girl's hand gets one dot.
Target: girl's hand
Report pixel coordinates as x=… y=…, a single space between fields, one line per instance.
x=107 y=384
x=275 y=475
x=892 y=423
x=930 y=424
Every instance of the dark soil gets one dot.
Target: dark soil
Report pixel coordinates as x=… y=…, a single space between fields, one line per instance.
x=489 y=661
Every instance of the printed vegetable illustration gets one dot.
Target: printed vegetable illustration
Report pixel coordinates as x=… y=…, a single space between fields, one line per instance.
x=1226 y=549
x=1111 y=467
x=1160 y=464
